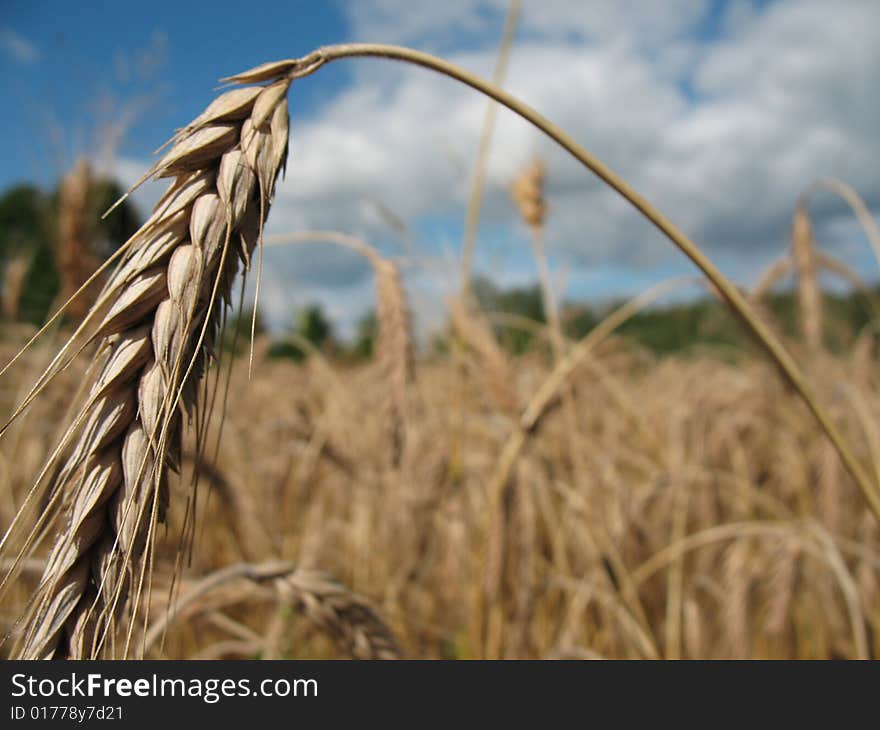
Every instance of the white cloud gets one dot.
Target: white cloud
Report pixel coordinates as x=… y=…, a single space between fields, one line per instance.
x=784 y=96
x=17 y=46
x=720 y=131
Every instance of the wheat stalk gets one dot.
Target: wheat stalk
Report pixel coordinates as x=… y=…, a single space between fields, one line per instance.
x=395 y=350
x=156 y=321
x=737 y=303
x=769 y=276
x=856 y=204
x=108 y=509
x=481 y=163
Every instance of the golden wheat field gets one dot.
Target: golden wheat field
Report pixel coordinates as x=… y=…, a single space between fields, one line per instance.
x=694 y=510
x=543 y=479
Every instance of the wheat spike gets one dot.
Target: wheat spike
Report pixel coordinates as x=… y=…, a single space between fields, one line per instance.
x=527 y=192
x=157 y=317
x=346 y=617
x=395 y=349
x=809 y=297
x=75 y=258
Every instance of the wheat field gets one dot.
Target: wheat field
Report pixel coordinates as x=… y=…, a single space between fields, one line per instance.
x=581 y=500
x=695 y=512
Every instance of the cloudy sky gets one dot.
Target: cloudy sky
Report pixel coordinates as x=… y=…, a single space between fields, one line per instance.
x=720 y=113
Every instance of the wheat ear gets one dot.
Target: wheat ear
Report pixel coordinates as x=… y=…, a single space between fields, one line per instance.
x=346 y=617
x=803 y=251
x=158 y=316
x=527 y=192
x=395 y=351
x=74 y=256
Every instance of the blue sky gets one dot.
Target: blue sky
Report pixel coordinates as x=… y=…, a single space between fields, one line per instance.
x=720 y=112
x=70 y=55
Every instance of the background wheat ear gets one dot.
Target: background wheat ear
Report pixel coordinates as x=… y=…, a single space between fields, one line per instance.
x=76 y=261
x=358 y=631
x=395 y=350
x=356 y=628
x=803 y=250
x=154 y=323
x=527 y=192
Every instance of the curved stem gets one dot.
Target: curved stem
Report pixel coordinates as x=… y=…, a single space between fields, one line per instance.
x=780 y=356
x=856 y=204
x=338 y=238
x=475 y=200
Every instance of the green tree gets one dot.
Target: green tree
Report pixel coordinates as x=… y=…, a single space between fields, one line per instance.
x=524 y=302
x=313 y=326
x=26 y=235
